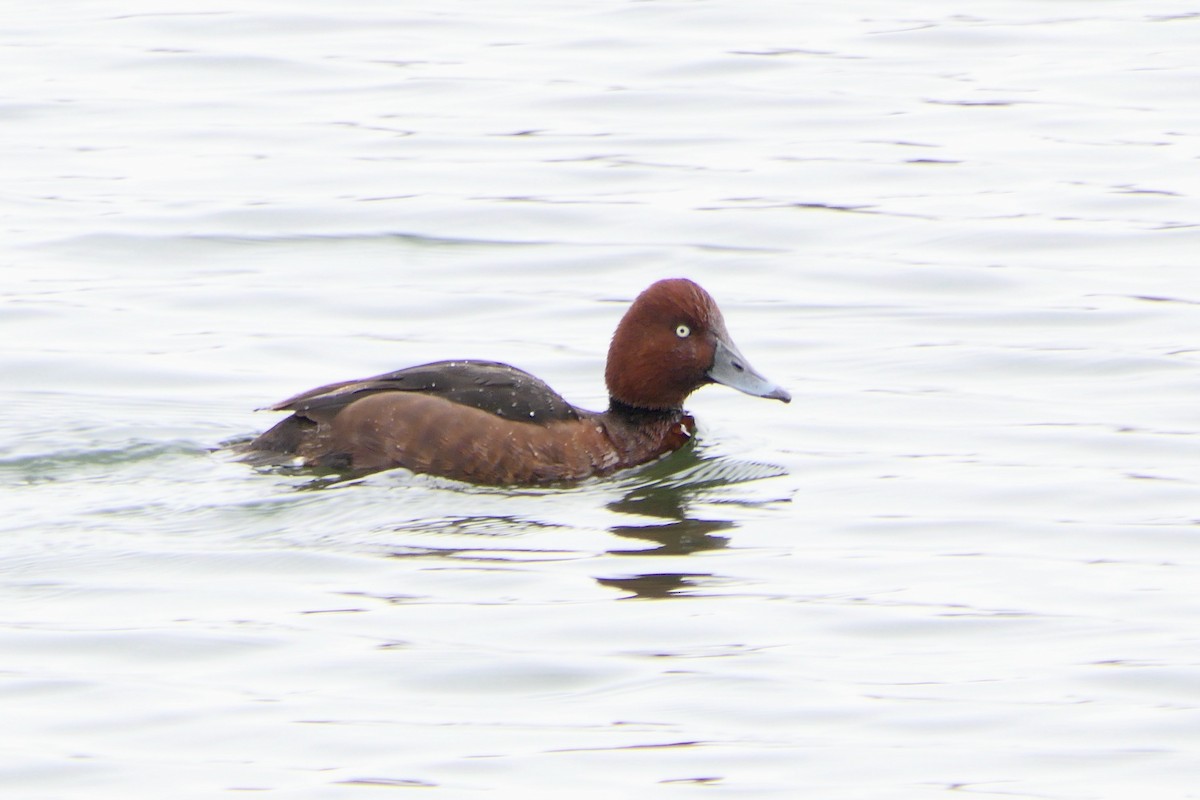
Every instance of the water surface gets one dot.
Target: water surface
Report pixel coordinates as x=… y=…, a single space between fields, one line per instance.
x=963 y=560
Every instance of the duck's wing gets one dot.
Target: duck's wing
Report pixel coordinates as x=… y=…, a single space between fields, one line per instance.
x=490 y=386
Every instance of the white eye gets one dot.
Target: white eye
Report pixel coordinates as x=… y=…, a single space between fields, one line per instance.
x=683 y=331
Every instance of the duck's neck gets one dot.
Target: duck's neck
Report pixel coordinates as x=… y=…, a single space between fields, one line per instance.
x=646 y=433
x=640 y=415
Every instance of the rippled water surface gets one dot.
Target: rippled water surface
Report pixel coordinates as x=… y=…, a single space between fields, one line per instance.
x=964 y=560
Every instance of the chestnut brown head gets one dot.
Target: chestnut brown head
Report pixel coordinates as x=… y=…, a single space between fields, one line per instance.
x=672 y=341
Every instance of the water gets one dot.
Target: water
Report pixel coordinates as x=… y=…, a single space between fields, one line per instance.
x=964 y=560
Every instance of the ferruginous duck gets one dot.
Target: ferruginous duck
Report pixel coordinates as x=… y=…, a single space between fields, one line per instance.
x=490 y=423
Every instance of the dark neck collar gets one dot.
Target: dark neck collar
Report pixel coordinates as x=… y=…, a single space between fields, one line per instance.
x=626 y=411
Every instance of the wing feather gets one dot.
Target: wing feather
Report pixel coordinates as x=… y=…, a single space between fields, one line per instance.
x=499 y=389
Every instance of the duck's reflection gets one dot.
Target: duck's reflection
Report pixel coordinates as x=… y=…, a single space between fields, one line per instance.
x=680 y=537
x=658 y=585
x=667 y=492
x=661 y=503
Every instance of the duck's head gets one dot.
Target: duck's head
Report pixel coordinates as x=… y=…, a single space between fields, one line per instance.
x=672 y=341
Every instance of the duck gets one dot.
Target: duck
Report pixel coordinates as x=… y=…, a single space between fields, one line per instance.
x=488 y=423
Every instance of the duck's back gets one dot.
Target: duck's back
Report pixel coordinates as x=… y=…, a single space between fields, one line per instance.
x=479 y=421
x=499 y=389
